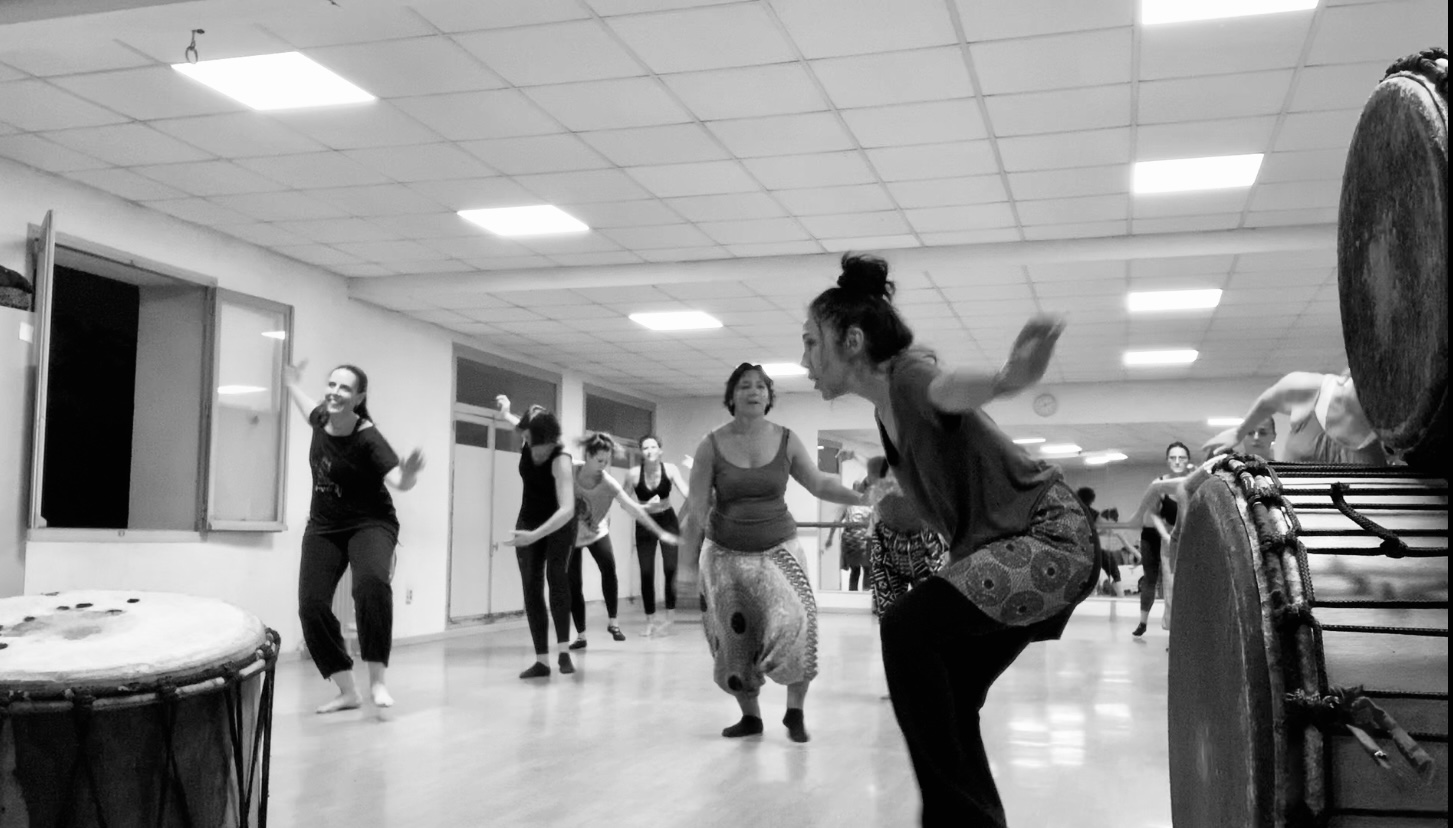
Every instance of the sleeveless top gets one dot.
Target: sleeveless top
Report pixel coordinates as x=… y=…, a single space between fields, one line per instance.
x=662 y=490
x=1309 y=441
x=750 y=513
x=592 y=509
x=538 y=501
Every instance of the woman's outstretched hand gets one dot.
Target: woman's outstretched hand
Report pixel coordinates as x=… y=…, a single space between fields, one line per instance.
x=293 y=374
x=1030 y=356
x=413 y=463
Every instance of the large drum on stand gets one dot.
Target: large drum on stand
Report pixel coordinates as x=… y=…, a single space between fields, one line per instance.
x=133 y=710
x=1309 y=658
x=1392 y=258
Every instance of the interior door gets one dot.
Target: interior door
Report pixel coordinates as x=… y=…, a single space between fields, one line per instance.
x=471 y=529
x=505 y=591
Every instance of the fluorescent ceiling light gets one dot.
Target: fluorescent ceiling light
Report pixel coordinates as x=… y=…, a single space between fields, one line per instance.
x=1222 y=172
x=287 y=80
x=1028 y=441
x=275 y=334
x=784 y=369
x=538 y=220
x=229 y=390
x=1183 y=356
x=1181 y=11
x=1173 y=300
x=1223 y=422
x=1104 y=457
x=1060 y=448
x=676 y=321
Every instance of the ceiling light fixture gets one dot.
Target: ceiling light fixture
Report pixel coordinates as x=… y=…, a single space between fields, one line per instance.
x=287 y=80
x=1060 y=448
x=275 y=334
x=537 y=220
x=1104 y=457
x=231 y=390
x=1223 y=422
x=783 y=369
x=1147 y=301
x=1182 y=356
x=1153 y=12
x=1028 y=441
x=1178 y=175
x=676 y=321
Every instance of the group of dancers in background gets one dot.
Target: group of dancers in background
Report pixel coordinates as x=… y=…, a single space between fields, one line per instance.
x=975 y=547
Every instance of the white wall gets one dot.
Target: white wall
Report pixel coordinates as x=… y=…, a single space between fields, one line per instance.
x=410 y=366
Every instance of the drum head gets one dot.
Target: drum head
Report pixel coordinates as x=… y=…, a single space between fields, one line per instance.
x=1222 y=749
x=95 y=638
x=1392 y=266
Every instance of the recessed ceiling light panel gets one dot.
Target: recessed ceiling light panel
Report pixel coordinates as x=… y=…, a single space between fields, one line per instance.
x=1149 y=301
x=676 y=321
x=1153 y=12
x=1179 y=356
x=288 y=80
x=535 y=220
x=1179 y=175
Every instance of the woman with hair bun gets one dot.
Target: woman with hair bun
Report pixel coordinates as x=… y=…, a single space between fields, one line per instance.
x=655 y=497
x=595 y=490
x=1022 y=553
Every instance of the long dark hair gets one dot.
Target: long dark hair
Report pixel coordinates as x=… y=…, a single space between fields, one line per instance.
x=863 y=298
x=540 y=425
x=360 y=380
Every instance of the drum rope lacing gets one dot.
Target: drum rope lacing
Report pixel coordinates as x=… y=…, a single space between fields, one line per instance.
x=81 y=705
x=1392 y=545
x=1319 y=709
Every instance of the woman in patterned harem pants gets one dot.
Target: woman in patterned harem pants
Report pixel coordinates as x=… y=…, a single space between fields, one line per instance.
x=759 y=613
x=902 y=551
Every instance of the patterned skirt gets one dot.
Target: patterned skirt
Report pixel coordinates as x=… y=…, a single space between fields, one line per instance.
x=898 y=560
x=1028 y=578
x=760 y=617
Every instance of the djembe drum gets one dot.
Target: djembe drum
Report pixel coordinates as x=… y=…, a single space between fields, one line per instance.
x=133 y=710
x=1309 y=658
x=1392 y=258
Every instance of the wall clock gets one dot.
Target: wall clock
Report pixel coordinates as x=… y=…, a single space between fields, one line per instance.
x=1045 y=405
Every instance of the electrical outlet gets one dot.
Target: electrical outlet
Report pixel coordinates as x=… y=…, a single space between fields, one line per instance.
x=409 y=595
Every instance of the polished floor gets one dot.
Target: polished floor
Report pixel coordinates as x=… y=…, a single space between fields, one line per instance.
x=1076 y=730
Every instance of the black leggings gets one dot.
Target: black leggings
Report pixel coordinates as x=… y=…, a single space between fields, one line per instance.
x=370 y=551
x=1150 y=562
x=646 y=552
x=546 y=561
x=941 y=655
x=605 y=560
x=854 y=573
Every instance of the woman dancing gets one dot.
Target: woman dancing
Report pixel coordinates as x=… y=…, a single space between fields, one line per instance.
x=1022 y=553
x=855 y=537
x=1157 y=519
x=651 y=484
x=351 y=523
x=760 y=616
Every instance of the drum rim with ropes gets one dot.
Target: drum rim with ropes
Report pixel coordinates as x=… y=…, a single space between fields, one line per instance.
x=1391 y=259
x=1285 y=765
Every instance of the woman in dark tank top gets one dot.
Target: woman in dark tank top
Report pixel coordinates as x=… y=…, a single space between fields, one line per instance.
x=760 y=616
x=544 y=533
x=651 y=485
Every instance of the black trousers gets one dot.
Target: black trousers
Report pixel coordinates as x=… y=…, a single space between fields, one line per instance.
x=370 y=551
x=1150 y=562
x=605 y=560
x=546 y=561
x=646 y=541
x=941 y=655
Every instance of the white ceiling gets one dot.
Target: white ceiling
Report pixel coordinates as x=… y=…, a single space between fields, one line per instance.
x=748 y=134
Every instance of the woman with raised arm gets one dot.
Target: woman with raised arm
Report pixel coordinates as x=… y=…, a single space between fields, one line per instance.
x=544 y=533
x=595 y=491
x=760 y=615
x=1157 y=519
x=651 y=484
x=351 y=523
x=1022 y=554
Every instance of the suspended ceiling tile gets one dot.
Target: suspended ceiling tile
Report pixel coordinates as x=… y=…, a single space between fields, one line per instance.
x=35 y=151
x=536 y=154
x=791 y=248
x=1339 y=86
x=753 y=230
x=1287 y=218
x=857 y=225
x=952 y=237
x=239 y=135
x=1060 y=110
x=1296 y=195
x=667 y=236
x=332 y=231
x=582 y=187
x=414 y=66
x=149 y=93
x=199 y=211
x=423 y=162
x=1218 y=97
x=609 y=104
x=1186 y=224
x=713 y=37
x=91 y=52
x=1216 y=47
x=1331 y=129
x=1085 y=181
x=313 y=170
x=123 y=183
x=1081 y=230
x=643 y=212
x=783 y=135
x=813 y=201
x=948 y=219
x=1376 y=32
x=285 y=206
x=726 y=207
x=862 y=243
x=748 y=92
x=894 y=77
x=378 y=200
x=208 y=178
x=127 y=145
x=1081 y=59
x=828 y=28
x=37 y=106
x=947 y=192
x=1207 y=202
x=818 y=170
x=469 y=15
x=437 y=225
x=1302 y=165
x=265 y=235
x=670 y=144
x=1001 y=19
x=965 y=158
x=1072 y=210
x=462 y=116
x=917 y=123
x=318 y=254
x=373 y=124
x=1092 y=148
x=1289 y=260
x=1199 y=139
x=322 y=25
x=704 y=178
x=577 y=50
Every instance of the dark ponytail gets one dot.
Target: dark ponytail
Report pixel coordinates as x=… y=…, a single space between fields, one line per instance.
x=863 y=299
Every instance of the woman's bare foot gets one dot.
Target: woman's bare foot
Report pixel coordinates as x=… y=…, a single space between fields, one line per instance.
x=342 y=701
x=381 y=697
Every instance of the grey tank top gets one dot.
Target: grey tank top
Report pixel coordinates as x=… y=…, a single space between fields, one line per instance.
x=750 y=514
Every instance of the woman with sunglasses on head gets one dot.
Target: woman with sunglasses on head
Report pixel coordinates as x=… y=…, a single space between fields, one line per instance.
x=1022 y=553
x=595 y=491
x=760 y=615
x=351 y=524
